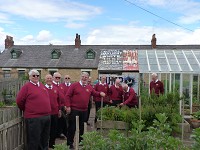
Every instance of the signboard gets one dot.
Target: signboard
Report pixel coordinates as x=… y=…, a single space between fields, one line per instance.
x=128 y=77
x=110 y=60
x=130 y=60
x=118 y=60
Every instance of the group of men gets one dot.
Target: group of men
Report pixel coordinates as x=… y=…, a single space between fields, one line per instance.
x=50 y=109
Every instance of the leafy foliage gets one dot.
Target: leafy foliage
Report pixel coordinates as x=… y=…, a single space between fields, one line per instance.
x=196 y=136
x=156 y=137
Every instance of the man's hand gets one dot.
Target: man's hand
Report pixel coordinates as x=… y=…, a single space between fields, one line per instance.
x=102 y=94
x=59 y=113
x=111 y=101
x=68 y=110
x=121 y=104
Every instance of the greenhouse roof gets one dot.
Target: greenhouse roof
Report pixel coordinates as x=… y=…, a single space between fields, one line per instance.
x=165 y=61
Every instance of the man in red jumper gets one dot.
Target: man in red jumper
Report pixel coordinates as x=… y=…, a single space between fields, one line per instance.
x=101 y=86
x=115 y=93
x=33 y=100
x=90 y=101
x=62 y=122
x=77 y=99
x=66 y=84
x=156 y=86
x=130 y=98
x=55 y=108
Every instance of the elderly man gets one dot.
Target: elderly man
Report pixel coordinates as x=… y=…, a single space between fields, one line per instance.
x=77 y=99
x=33 y=100
x=61 y=131
x=156 y=86
x=55 y=108
x=130 y=98
x=101 y=86
x=115 y=93
x=66 y=84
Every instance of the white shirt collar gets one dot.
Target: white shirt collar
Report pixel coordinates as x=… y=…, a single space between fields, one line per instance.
x=49 y=87
x=156 y=80
x=56 y=83
x=38 y=84
x=100 y=83
x=67 y=83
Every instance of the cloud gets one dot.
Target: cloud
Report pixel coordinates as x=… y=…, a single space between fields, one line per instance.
x=140 y=35
x=43 y=35
x=49 y=10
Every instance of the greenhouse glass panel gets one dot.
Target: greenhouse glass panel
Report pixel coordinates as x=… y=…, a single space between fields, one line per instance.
x=154 y=68
x=175 y=68
x=152 y=61
x=162 y=60
x=164 y=68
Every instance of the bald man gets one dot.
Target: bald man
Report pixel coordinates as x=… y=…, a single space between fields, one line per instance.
x=156 y=86
x=55 y=102
x=115 y=93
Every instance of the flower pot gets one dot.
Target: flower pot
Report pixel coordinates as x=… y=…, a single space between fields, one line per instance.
x=195 y=107
x=195 y=123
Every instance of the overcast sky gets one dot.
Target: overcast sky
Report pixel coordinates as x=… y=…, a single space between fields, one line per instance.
x=129 y=22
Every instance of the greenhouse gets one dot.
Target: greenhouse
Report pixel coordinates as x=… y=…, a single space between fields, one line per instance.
x=177 y=69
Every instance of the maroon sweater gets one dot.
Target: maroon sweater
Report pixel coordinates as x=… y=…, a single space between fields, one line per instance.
x=33 y=100
x=115 y=93
x=65 y=88
x=101 y=88
x=54 y=100
x=78 y=97
x=61 y=92
x=130 y=97
x=156 y=87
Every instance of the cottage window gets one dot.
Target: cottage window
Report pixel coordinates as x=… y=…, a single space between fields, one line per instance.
x=90 y=54
x=14 y=55
x=55 y=55
x=7 y=74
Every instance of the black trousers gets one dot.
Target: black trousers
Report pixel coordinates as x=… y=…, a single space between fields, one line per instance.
x=38 y=130
x=72 y=125
x=53 y=129
x=62 y=124
x=88 y=111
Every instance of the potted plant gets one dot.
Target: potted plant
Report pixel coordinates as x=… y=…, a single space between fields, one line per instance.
x=195 y=105
x=195 y=120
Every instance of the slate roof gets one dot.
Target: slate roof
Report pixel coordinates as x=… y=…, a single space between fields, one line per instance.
x=39 y=56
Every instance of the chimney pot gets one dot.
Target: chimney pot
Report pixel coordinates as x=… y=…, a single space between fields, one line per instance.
x=153 y=41
x=9 y=42
x=77 y=41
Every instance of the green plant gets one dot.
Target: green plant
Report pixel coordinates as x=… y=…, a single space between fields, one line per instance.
x=2 y=104
x=156 y=137
x=196 y=136
x=196 y=115
x=61 y=147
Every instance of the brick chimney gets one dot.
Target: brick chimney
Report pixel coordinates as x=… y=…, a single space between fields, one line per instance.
x=153 y=41
x=77 y=41
x=9 y=42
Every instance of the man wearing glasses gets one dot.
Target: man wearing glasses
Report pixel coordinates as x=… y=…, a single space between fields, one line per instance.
x=61 y=130
x=77 y=99
x=66 y=84
x=33 y=100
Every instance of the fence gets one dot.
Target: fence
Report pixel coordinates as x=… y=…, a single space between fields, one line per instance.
x=9 y=89
x=11 y=129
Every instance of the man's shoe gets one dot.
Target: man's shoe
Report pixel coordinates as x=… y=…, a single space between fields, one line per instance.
x=62 y=136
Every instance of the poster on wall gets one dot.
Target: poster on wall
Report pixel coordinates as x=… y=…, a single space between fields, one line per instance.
x=130 y=60
x=131 y=78
x=110 y=60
